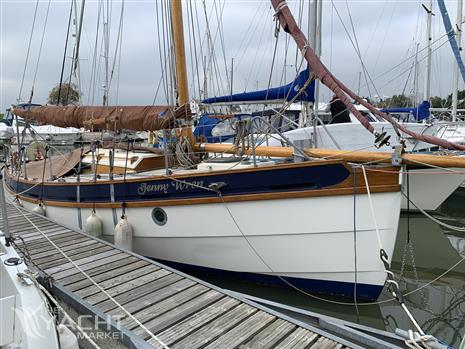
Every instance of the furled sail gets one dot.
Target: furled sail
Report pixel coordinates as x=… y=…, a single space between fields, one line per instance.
x=115 y=118
x=420 y=113
x=282 y=93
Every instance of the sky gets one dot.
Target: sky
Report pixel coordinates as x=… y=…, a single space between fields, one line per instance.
x=233 y=32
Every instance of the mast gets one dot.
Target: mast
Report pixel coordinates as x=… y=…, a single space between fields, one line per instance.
x=314 y=33
x=455 y=83
x=179 y=51
x=429 y=11
x=415 y=79
x=180 y=57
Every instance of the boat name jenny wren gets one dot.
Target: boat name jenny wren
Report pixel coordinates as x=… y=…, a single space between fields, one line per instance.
x=145 y=188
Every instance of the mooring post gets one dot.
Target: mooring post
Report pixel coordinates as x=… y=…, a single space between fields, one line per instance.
x=6 y=228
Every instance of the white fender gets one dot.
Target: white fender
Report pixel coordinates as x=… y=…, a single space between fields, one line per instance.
x=123 y=234
x=94 y=225
x=39 y=209
x=68 y=339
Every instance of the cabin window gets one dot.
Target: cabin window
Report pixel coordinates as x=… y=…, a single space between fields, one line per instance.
x=367 y=116
x=159 y=216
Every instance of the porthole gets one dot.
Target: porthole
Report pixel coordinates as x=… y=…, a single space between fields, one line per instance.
x=159 y=216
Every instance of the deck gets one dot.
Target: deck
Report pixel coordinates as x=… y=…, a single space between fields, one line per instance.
x=180 y=310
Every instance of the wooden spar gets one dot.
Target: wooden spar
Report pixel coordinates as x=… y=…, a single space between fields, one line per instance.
x=180 y=54
x=179 y=50
x=347 y=155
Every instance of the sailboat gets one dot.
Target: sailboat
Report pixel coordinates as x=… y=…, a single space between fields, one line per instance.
x=423 y=188
x=317 y=224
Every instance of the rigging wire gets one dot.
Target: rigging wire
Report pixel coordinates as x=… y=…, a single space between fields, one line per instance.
x=194 y=45
x=357 y=50
x=380 y=51
x=409 y=68
x=117 y=53
x=40 y=51
x=161 y=49
x=409 y=58
x=28 y=51
x=193 y=71
x=219 y=18
x=64 y=55
x=254 y=61
x=93 y=72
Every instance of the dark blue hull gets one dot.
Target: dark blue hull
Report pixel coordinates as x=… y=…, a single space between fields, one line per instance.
x=365 y=292
x=275 y=179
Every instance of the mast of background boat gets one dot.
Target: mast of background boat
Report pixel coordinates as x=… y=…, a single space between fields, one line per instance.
x=415 y=77
x=76 y=66
x=314 y=34
x=181 y=68
x=455 y=83
x=427 y=87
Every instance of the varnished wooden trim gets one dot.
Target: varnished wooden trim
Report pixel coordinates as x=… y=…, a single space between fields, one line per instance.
x=232 y=198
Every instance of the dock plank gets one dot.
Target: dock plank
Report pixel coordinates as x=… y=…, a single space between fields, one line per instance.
x=153 y=297
x=211 y=331
x=59 y=274
x=57 y=254
x=96 y=298
x=181 y=311
x=35 y=233
x=76 y=255
x=107 y=275
x=269 y=336
x=98 y=270
x=180 y=330
x=299 y=339
x=243 y=331
x=94 y=258
x=148 y=288
x=165 y=305
x=40 y=254
x=144 y=271
x=39 y=237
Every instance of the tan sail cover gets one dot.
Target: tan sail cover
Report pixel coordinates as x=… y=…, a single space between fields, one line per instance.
x=136 y=118
x=61 y=165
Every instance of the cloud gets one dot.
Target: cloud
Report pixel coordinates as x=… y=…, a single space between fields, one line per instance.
x=386 y=33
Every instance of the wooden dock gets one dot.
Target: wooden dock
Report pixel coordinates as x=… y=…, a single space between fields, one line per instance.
x=180 y=310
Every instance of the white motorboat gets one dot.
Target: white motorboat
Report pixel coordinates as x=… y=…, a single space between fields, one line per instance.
x=26 y=320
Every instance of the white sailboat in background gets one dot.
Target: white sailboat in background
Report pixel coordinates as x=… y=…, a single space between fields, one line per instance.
x=425 y=191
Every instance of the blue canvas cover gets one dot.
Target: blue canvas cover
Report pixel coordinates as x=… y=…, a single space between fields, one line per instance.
x=206 y=123
x=419 y=113
x=286 y=92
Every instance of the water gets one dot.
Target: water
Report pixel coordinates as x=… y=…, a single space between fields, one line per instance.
x=439 y=307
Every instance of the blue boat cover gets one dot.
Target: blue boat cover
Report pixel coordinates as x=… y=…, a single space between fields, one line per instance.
x=206 y=123
x=451 y=35
x=420 y=113
x=286 y=92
